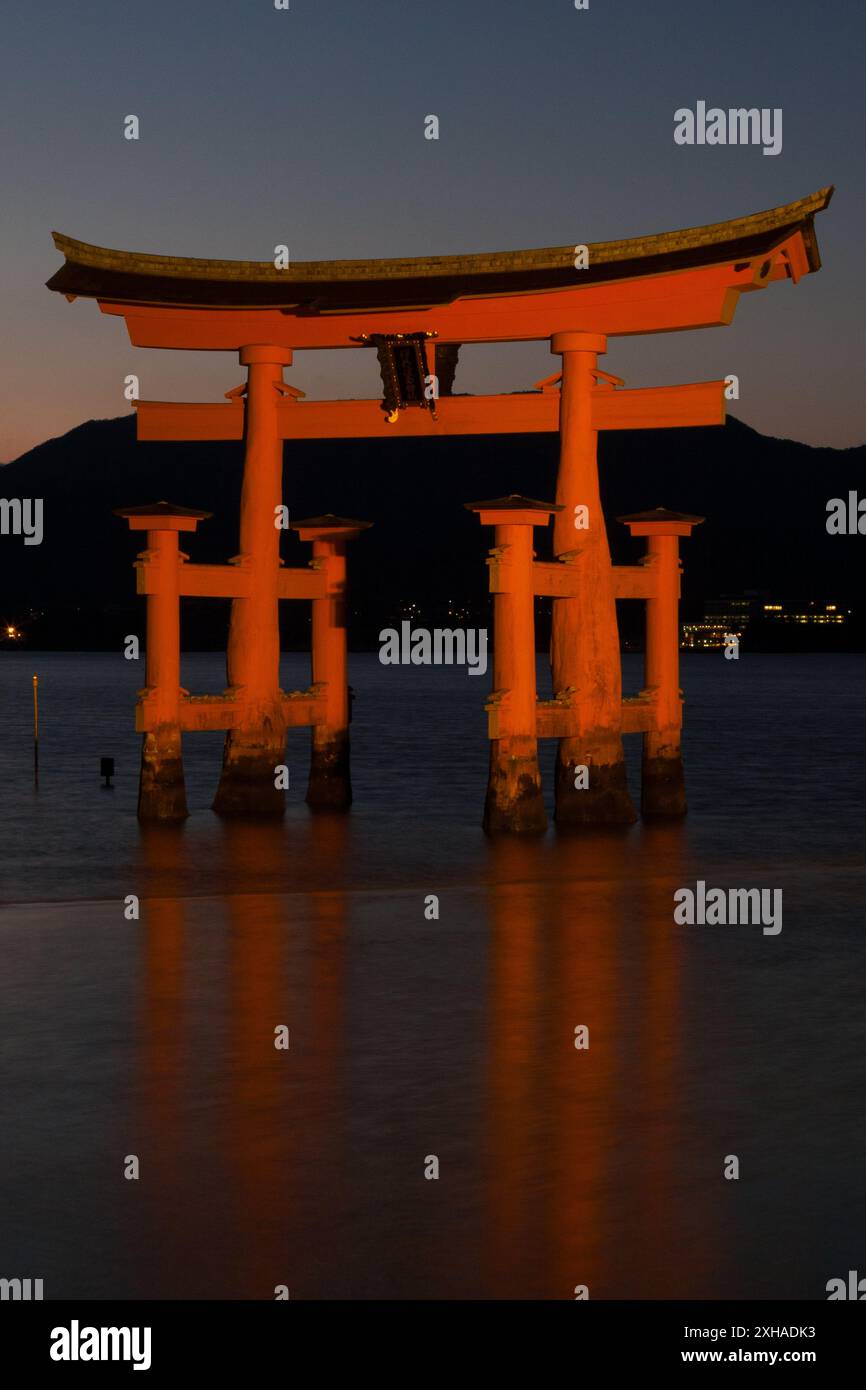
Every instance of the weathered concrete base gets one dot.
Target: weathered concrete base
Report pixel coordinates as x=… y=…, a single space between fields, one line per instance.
x=330 y=784
x=246 y=786
x=663 y=786
x=606 y=799
x=515 y=802
x=161 y=788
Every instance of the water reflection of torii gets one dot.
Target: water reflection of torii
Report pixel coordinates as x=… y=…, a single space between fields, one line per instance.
x=417 y=312
x=237 y=1138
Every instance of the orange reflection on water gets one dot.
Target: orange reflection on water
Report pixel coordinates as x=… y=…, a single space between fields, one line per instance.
x=584 y=1143
x=263 y=968
x=578 y=1174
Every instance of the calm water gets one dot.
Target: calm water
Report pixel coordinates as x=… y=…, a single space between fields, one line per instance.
x=412 y=1038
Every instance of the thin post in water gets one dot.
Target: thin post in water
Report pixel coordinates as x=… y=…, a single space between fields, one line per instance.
x=36 y=730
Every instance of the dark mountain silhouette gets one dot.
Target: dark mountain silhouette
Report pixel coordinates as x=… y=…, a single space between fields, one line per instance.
x=764 y=499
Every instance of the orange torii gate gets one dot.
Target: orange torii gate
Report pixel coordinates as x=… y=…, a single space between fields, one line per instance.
x=417 y=312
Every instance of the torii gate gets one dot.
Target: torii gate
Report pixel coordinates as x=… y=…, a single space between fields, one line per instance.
x=417 y=312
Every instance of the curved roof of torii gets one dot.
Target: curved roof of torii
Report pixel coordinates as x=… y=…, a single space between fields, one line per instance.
x=129 y=277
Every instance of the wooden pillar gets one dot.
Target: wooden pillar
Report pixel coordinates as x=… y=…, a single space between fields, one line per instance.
x=254 y=747
x=161 y=788
x=584 y=653
x=330 y=784
x=515 y=801
x=663 y=788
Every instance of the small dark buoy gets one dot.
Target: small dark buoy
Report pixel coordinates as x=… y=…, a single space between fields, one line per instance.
x=106 y=769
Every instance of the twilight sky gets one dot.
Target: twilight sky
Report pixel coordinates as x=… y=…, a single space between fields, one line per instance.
x=306 y=127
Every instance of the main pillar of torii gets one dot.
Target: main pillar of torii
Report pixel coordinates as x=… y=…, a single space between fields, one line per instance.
x=584 y=646
x=255 y=747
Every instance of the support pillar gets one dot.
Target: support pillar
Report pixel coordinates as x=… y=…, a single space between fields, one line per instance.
x=330 y=784
x=663 y=788
x=585 y=657
x=161 y=788
x=255 y=746
x=515 y=801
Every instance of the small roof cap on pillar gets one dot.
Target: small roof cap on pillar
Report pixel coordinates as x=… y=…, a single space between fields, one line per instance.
x=162 y=516
x=660 y=521
x=319 y=528
x=514 y=510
